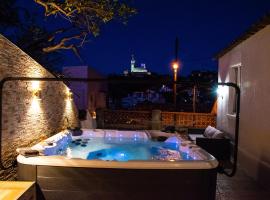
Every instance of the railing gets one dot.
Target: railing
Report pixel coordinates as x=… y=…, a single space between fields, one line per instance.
x=186 y=119
x=121 y=119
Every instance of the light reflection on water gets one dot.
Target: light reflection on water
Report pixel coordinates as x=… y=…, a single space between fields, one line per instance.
x=123 y=149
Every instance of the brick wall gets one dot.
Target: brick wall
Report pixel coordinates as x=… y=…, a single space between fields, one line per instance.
x=27 y=120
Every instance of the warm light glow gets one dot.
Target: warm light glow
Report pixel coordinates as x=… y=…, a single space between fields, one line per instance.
x=37 y=94
x=34 y=111
x=35 y=108
x=35 y=85
x=93 y=114
x=69 y=95
x=68 y=106
x=69 y=103
x=175 y=65
x=36 y=90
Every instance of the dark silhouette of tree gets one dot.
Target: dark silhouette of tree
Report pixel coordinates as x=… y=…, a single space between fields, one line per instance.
x=21 y=27
x=9 y=15
x=32 y=39
x=85 y=18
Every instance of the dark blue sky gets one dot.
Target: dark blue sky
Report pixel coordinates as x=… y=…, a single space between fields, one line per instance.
x=203 y=28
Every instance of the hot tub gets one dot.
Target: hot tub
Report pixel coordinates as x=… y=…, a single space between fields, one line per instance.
x=112 y=164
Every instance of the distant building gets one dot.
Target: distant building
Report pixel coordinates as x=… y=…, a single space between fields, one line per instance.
x=165 y=89
x=135 y=70
x=87 y=96
x=139 y=97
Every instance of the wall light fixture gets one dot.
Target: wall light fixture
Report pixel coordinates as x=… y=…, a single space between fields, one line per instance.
x=221 y=91
x=36 y=90
x=69 y=95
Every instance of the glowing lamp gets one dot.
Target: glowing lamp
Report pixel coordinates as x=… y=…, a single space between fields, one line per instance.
x=36 y=90
x=93 y=114
x=175 y=65
x=35 y=85
x=37 y=94
x=69 y=95
x=221 y=91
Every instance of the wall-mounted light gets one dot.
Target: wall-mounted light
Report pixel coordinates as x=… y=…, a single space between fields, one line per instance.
x=69 y=95
x=93 y=114
x=36 y=90
x=221 y=91
x=37 y=94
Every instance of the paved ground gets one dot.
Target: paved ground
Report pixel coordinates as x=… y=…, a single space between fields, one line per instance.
x=240 y=187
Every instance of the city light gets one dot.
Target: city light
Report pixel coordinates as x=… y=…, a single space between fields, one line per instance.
x=175 y=65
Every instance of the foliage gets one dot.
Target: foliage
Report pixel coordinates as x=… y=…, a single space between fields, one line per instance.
x=32 y=39
x=20 y=25
x=85 y=17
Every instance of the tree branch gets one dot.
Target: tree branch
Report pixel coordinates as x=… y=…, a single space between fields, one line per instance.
x=85 y=15
x=63 y=43
x=47 y=5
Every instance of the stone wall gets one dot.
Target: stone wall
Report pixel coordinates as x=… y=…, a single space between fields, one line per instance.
x=27 y=119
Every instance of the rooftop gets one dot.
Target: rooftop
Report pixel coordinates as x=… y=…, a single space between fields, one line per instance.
x=262 y=23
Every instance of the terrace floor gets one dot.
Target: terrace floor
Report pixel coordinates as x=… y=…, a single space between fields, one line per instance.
x=239 y=187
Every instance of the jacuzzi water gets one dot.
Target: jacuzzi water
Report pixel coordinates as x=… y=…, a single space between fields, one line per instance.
x=111 y=145
x=124 y=150
x=98 y=163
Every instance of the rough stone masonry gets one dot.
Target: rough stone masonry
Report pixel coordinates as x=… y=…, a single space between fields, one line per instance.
x=27 y=120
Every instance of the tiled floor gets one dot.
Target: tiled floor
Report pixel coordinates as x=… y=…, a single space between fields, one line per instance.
x=239 y=187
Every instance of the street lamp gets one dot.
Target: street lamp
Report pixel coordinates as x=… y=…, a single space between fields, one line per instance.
x=175 y=67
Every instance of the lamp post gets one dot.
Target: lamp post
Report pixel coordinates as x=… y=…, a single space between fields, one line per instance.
x=175 y=69
x=175 y=66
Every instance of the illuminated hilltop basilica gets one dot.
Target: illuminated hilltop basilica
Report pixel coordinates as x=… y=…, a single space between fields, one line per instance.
x=134 y=70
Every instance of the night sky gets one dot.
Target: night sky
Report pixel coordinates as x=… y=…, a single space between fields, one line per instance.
x=203 y=27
